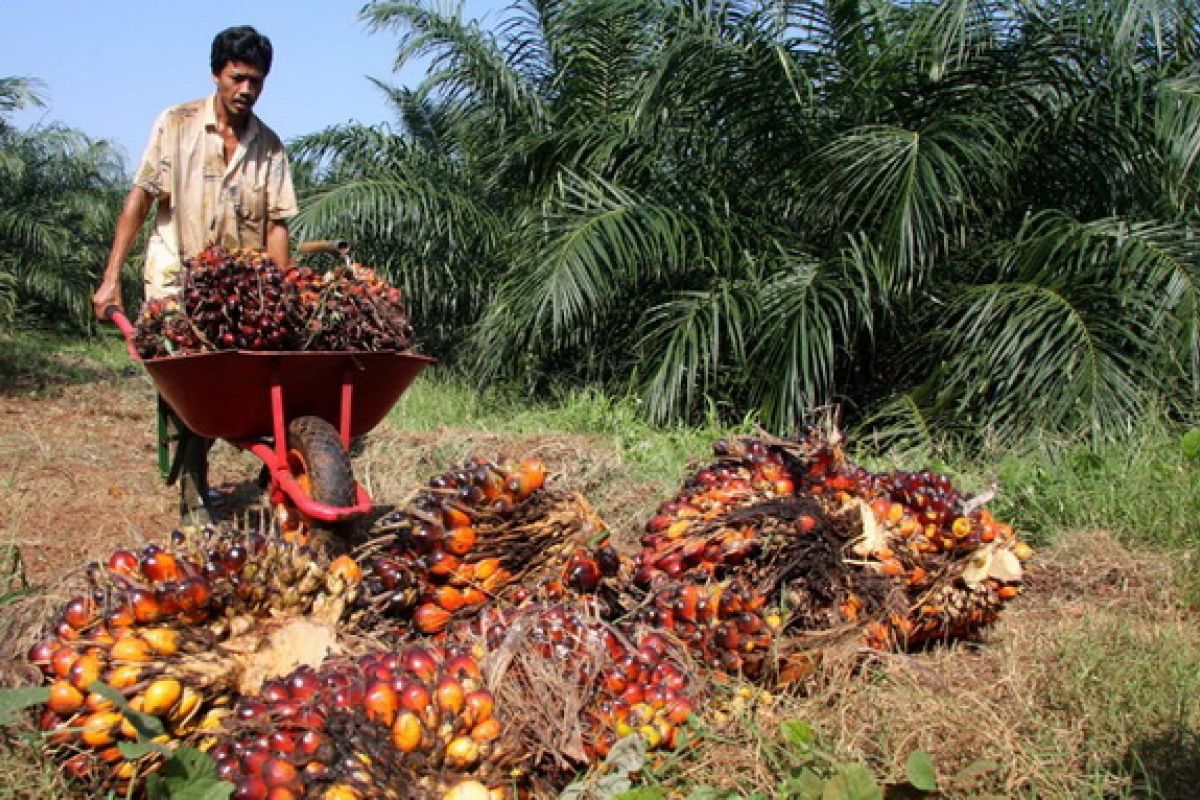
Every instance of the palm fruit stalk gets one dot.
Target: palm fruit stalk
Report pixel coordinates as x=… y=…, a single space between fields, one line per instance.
x=242 y=300
x=180 y=631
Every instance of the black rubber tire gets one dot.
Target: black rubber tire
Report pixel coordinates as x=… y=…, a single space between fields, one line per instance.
x=326 y=465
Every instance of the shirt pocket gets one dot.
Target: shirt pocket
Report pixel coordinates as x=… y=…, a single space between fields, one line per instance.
x=253 y=206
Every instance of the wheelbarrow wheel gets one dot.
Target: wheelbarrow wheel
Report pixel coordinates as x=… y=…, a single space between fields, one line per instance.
x=321 y=466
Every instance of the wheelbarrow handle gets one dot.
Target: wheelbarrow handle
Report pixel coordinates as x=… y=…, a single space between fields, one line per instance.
x=116 y=316
x=333 y=247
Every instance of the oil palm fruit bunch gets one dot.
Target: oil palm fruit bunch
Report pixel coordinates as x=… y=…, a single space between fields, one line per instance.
x=572 y=683
x=241 y=299
x=413 y=722
x=179 y=631
x=949 y=563
x=353 y=308
x=794 y=523
x=473 y=534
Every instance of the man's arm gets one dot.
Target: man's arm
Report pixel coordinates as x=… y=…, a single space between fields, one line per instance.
x=133 y=215
x=278 y=244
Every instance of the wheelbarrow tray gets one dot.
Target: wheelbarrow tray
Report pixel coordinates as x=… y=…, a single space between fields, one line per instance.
x=227 y=394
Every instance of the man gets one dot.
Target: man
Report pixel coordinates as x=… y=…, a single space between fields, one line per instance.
x=217 y=174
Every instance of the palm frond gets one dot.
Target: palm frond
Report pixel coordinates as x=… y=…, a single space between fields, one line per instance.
x=687 y=343
x=592 y=238
x=813 y=313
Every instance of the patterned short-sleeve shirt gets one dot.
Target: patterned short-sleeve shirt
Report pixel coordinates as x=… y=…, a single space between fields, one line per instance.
x=201 y=199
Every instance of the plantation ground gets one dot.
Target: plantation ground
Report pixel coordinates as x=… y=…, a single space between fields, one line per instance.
x=1088 y=687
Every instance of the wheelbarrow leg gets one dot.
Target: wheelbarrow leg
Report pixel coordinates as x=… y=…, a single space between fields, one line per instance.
x=194 y=504
x=189 y=465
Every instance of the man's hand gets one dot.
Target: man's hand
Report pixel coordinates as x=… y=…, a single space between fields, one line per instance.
x=108 y=294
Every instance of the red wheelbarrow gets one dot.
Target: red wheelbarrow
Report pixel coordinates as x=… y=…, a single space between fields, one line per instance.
x=296 y=411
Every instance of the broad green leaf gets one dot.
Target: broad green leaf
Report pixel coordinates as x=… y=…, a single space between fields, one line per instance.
x=628 y=755
x=853 y=782
x=797 y=733
x=188 y=774
x=920 y=771
x=19 y=699
x=1190 y=444
x=190 y=763
x=140 y=749
x=199 y=789
x=707 y=793
x=804 y=785
x=641 y=793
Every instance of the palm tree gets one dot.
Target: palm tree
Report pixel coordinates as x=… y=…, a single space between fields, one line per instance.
x=59 y=197
x=969 y=215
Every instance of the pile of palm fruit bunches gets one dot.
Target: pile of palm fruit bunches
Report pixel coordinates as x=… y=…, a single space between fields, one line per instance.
x=491 y=638
x=242 y=300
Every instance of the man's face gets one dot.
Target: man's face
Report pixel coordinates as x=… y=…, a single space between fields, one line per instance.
x=238 y=88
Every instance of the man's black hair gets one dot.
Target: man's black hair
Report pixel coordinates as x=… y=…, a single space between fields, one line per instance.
x=243 y=44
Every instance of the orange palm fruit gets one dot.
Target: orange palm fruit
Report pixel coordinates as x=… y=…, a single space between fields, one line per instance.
x=62 y=660
x=97 y=702
x=462 y=752
x=100 y=729
x=431 y=618
x=65 y=699
x=460 y=540
x=449 y=695
x=486 y=568
x=449 y=598
x=132 y=650
x=124 y=675
x=381 y=703
x=479 y=705
x=163 y=641
x=407 y=732
x=486 y=731
x=161 y=566
x=346 y=568
x=86 y=669
x=454 y=517
x=161 y=696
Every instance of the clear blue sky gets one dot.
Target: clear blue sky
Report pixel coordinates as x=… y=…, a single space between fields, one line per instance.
x=109 y=66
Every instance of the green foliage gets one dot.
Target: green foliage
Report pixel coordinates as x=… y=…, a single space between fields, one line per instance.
x=59 y=200
x=975 y=215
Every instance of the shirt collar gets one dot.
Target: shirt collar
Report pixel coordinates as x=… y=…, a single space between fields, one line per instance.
x=210 y=120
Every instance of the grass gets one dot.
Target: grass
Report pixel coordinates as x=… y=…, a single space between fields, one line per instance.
x=35 y=362
x=1086 y=688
